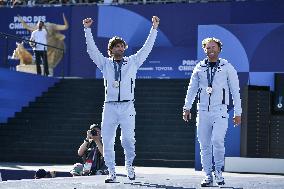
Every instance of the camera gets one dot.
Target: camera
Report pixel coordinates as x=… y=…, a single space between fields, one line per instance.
x=94 y=132
x=93 y=129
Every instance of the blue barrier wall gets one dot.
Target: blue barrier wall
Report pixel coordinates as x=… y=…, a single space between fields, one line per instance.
x=17 y=89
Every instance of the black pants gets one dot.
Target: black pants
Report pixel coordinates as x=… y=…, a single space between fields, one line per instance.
x=41 y=56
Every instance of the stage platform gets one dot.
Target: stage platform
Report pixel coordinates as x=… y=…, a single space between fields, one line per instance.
x=147 y=177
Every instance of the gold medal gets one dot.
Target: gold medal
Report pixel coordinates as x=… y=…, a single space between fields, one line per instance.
x=209 y=90
x=115 y=84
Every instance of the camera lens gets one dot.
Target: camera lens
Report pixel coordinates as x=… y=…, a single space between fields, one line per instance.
x=93 y=132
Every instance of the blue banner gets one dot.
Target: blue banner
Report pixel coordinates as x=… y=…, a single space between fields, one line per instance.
x=177 y=47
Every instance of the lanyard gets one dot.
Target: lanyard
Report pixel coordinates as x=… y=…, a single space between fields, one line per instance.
x=210 y=77
x=117 y=69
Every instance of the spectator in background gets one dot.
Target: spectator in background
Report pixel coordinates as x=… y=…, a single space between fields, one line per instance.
x=53 y=2
x=65 y=2
x=31 y=3
x=82 y=1
x=3 y=3
x=18 y=2
x=108 y=2
x=40 y=36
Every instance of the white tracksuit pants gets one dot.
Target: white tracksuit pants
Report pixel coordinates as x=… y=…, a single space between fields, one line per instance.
x=211 y=130
x=116 y=113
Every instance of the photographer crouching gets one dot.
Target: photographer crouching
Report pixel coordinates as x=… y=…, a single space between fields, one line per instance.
x=91 y=151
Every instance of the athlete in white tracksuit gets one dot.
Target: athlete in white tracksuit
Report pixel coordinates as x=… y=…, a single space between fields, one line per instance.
x=119 y=75
x=211 y=81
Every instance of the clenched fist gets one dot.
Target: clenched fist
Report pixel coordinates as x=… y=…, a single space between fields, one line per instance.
x=155 y=21
x=87 y=22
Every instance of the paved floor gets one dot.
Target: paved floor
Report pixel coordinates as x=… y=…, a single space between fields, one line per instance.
x=147 y=177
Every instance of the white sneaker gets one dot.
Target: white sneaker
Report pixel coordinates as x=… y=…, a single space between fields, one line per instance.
x=130 y=172
x=207 y=181
x=219 y=179
x=111 y=177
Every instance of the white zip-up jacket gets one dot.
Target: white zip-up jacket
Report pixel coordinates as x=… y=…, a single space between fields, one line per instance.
x=130 y=65
x=225 y=80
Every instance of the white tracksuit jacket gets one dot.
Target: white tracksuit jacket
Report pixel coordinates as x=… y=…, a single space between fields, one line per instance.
x=128 y=70
x=225 y=79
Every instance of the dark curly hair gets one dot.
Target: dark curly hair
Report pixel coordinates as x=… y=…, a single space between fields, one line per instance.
x=113 y=42
x=209 y=39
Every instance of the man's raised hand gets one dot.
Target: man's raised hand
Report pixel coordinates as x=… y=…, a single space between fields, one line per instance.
x=155 y=21
x=87 y=22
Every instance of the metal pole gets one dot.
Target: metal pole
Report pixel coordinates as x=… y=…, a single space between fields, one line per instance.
x=6 y=53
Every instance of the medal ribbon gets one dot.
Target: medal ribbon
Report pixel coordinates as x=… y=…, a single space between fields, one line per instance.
x=210 y=77
x=117 y=68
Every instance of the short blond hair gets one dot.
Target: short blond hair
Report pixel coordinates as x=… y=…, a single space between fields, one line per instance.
x=209 y=39
x=114 y=41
